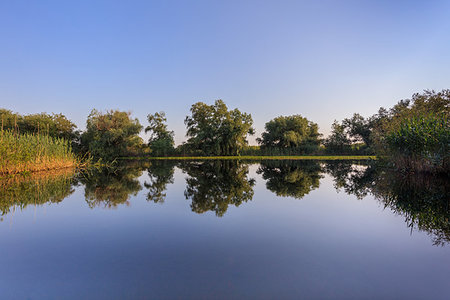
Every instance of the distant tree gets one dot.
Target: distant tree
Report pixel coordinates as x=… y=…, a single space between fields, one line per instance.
x=55 y=125
x=291 y=132
x=338 y=141
x=215 y=130
x=111 y=135
x=161 y=139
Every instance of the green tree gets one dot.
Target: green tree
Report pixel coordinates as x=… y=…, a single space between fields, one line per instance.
x=215 y=130
x=55 y=125
x=294 y=132
x=161 y=140
x=111 y=135
x=338 y=141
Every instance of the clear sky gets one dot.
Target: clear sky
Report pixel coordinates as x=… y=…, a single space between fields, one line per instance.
x=322 y=59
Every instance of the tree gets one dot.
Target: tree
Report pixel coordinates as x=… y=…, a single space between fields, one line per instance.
x=338 y=141
x=55 y=125
x=291 y=132
x=161 y=139
x=214 y=130
x=111 y=135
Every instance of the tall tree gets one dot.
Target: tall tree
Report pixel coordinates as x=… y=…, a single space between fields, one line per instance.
x=290 y=132
x=110 y=135
x=215 y=130
x=161 y=139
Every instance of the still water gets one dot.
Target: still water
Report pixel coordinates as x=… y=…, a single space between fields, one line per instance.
x=225 y=230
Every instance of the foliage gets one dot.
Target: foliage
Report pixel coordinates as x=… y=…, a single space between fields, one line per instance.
x=293 y=132
x=422 y=141
x=338 y=141
x=28 y=152
x=214 y=185
x=54 y=125
x=414 y=134
x=161 y=140
x=215 y=130
x=111 y=135
x=290 y=178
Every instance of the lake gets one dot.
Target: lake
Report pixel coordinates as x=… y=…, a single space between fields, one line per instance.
x=225 y=230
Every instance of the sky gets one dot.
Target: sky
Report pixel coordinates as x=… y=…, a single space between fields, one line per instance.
x=324 y=60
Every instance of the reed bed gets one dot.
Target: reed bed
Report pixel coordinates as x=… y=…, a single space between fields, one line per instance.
x=26 y=152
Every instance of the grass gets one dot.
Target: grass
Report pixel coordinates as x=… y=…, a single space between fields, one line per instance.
x=305 y=157
x=22 y=153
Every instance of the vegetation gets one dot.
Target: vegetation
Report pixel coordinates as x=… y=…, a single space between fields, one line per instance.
x=111 y=135
x=161 y=141
x=295 y=133
x=413 y=135
x=421 y=143
x=54 y=125
x=215 y=130
x=29 y=153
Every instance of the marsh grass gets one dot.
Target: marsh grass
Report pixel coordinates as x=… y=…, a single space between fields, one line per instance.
x=27 y=152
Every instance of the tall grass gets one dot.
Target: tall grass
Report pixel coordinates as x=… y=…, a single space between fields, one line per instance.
x=421 y=143
x=29 y=153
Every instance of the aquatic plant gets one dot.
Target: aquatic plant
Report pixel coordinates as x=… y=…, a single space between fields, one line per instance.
x=33 y=152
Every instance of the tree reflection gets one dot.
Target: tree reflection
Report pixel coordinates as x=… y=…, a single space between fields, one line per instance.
x=354 y=178
x=161 y=174
x=111 y=187
x=291 y=178
x=35 y=189
x=424 y=201
x=214 y=185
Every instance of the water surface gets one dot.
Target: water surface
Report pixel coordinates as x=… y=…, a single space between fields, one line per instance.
x=224 y=229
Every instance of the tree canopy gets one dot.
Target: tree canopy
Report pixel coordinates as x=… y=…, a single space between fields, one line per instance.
x=215 y=130
x=291 y=132
x=110 y=135
x=161 y=139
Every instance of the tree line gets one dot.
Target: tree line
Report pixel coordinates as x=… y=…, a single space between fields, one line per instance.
x=414 y=131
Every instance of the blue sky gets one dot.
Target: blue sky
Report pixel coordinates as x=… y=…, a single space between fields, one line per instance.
x=324 y=60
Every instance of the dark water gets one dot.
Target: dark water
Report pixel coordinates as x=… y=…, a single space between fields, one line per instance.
x=223 y=229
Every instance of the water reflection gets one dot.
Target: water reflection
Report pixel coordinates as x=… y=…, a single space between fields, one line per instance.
x=424 y=201
x=35 y=189
x=110 y=187
x=160 y=174
x=291 y=178
x=214 y=185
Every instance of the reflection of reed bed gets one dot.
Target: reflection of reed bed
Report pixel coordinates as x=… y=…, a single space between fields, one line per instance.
x=29 y=153
x=424 y=201
x=35 y=189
